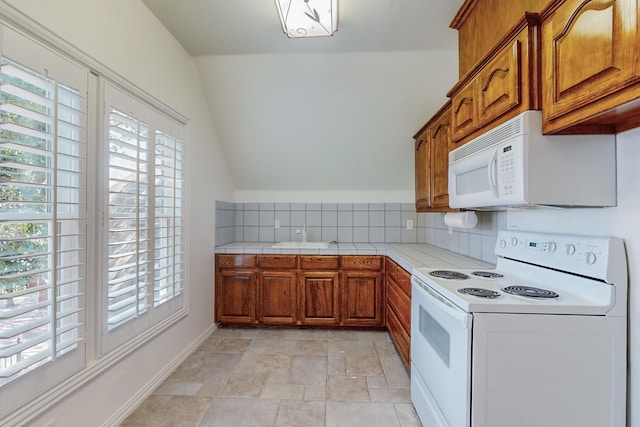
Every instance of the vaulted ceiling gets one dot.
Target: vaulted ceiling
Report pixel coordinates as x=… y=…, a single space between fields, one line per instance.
x=325 y=114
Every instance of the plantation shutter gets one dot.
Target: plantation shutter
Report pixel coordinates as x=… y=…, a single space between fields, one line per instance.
x=43 y=203
x=168 y=199
x=144 y=233
x=128 y=217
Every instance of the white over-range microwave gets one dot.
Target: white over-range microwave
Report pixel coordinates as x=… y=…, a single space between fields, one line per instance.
x=515 y=165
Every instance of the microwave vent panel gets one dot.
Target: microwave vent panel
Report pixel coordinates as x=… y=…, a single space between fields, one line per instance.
x=500 y=134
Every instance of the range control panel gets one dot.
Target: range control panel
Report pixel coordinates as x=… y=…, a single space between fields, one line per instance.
x=585 y=255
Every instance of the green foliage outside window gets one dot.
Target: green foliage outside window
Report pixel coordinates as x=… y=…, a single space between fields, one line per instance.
x=24 y=188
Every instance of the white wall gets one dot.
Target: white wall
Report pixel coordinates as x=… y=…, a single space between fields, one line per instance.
x=124 y=35
x=621 y=221
x=324 y=127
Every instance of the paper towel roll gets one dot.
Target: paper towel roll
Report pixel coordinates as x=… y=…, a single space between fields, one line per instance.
x=466 y=219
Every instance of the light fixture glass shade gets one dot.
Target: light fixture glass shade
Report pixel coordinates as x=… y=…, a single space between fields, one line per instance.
x=308 y=18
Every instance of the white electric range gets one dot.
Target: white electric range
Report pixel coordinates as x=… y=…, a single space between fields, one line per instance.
x=538 y=341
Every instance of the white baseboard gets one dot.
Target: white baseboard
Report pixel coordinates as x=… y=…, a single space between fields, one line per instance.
x=121 y=414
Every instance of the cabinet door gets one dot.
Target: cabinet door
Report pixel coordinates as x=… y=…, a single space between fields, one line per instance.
x=235 y=296
x=590 y=50
x=440 y=142
x=277 y=297
x=464 y=114
x=319 y=298
x=498 y=84
x=423 y=171
x=362 y=298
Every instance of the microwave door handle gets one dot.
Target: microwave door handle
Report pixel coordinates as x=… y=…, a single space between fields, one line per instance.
x=493 y=179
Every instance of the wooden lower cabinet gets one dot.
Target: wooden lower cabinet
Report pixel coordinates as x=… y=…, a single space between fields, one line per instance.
x=361 y=298
x=319 y=298
x=277 y=298
x=236 y=297
x=362 y=291
x=398 y=308
x=328 y=290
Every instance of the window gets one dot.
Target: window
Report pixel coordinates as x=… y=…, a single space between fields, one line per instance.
x=43 y=203
x=144 y=247
x=57 y=246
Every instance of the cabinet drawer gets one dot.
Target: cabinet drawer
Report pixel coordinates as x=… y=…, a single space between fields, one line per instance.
x=324 y=262
x=403 y=279
x=401 y=304
x=229 y=261
x=362 y=262
x=401 y=338
x=277 y=261
x=390 y=268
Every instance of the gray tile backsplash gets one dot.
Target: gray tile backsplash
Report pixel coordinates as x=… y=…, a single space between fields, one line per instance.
x=478 y=242
x=354 y=223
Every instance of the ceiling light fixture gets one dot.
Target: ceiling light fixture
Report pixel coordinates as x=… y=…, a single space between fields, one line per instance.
x=308 y=18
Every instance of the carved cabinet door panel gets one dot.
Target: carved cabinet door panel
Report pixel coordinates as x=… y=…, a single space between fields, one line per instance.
x=440 y=142
x=499 y=84
x=464 y=111
x=423 y=171
x=589 y=50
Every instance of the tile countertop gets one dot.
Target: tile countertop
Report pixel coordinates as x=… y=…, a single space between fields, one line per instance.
x=407 y=255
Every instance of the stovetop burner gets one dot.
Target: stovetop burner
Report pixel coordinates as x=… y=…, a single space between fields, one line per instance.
x=479 y=292
x=487 y=274
x=530 y=291
x=448 y=274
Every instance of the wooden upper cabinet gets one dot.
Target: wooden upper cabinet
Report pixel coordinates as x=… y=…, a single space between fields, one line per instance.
x=498 y=84
x=465 y=110
x=423 y=170
x=504 y=83
x=591 y=63
x=433 y=143
x=440 y=142
x=482 y=24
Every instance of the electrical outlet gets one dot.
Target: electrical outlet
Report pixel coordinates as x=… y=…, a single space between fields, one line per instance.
x=276 y=223
x=409 y=224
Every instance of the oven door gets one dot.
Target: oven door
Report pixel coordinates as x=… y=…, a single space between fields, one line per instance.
x=440 y=357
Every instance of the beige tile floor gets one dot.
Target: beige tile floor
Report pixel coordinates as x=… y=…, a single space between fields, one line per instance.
x=284 y=377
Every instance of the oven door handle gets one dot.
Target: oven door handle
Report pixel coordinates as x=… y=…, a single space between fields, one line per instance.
x=444 y=305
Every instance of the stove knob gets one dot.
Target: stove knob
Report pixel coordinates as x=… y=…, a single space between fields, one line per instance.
x=551 y=246
x=590 y=258
x=514 y=241
x=503 y=243
x=571 y=249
